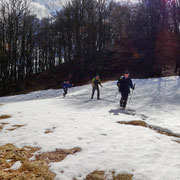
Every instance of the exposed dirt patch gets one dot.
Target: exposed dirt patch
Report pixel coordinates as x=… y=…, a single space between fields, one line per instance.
x=35 y=170
x=158 y=129
x=1 y=105
x=5 y=116
x=14 y=127
x=47 y=131
x=100 y=175
x=57 y=155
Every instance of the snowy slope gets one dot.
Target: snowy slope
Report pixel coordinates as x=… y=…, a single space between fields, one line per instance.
x=91 y=125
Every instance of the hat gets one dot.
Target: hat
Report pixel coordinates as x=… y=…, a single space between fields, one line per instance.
x=126 y=72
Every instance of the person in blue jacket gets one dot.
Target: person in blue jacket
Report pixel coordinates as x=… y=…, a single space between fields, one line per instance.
x=65 y=87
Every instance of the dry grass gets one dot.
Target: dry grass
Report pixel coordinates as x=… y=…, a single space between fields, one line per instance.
x=47 y=131
x=26 y=171
x=18 y=126
x=11 y=129
x=57 y=155
x=5 y=116
x=134 y=123
x=100 y=175
x=155 y=128
x=4 y=124
x=96 y=175
x=123 y=177
x=14 y=127
x=34 y=170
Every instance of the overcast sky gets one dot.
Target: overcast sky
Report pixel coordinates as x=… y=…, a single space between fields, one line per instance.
x=41 y=7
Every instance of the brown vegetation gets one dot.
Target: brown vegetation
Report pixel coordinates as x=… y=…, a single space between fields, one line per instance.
x=47 y=131
x=123 y=177
x=96 y=175
x=57 y=155
x=36 y=169
x=134 y=123
x=5 y=116
x=2 y=125
x=14 y=127
x=156 y=128
x=100 y=175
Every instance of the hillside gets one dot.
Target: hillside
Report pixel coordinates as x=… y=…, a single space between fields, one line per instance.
x=141 y=142
x=109 y=64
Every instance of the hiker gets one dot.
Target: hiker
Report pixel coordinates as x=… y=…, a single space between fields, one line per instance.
x=65 y=87
x=124 y=84
x=95 y=86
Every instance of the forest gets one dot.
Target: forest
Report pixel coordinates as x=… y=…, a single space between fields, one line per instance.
x=85 y=37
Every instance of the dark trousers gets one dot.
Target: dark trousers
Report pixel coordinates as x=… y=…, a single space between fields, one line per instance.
x=124 y=98
x=93 y=91
x=65 y=92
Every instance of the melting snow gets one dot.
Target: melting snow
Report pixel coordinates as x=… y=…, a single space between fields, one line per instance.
x=92 y=126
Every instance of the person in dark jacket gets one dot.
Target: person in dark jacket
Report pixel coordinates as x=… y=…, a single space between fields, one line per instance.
x=95 y=86
x=65 y=87
x=124 y=84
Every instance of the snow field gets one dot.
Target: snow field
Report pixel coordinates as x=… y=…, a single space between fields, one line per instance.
x=92 y=126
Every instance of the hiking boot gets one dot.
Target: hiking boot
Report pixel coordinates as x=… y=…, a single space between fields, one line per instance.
x=123 y=107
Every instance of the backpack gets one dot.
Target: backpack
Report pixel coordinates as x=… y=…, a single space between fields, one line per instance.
x=119 y=83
